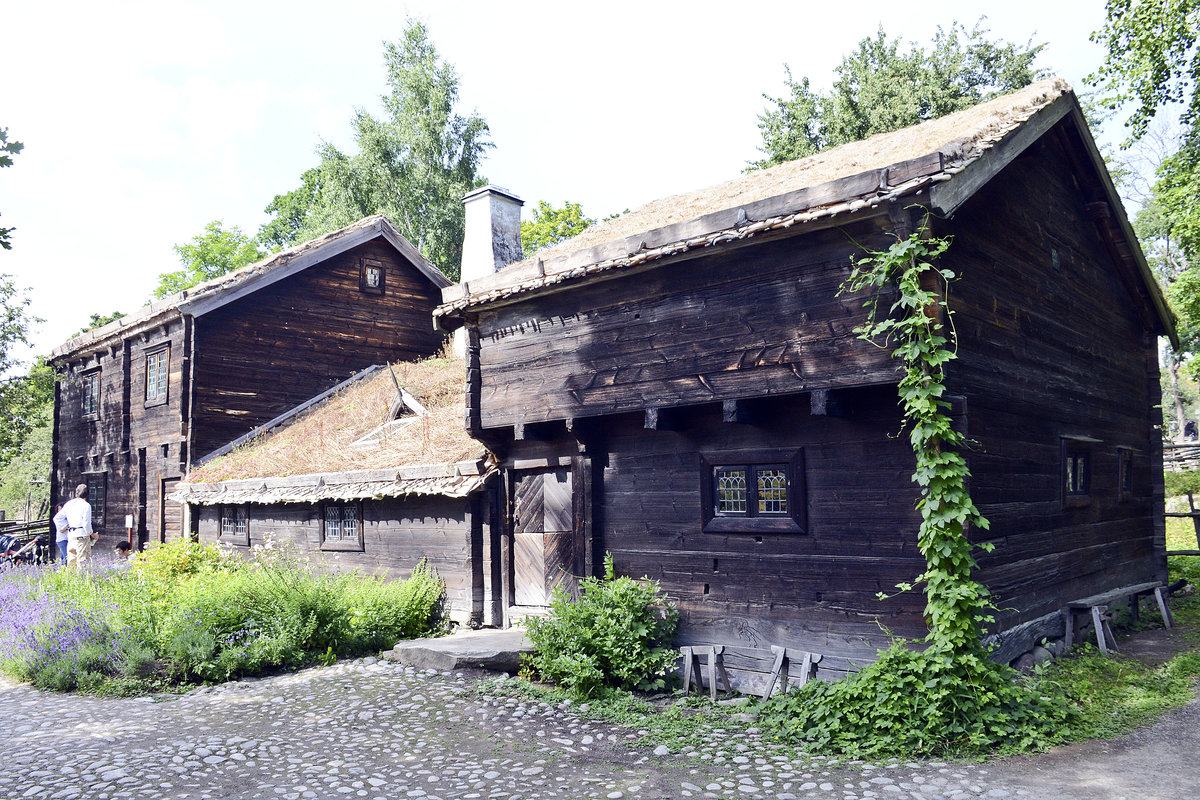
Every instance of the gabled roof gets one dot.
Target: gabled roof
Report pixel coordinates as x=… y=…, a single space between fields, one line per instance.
x=213 y=294
x=947 y=160
x=312 y=454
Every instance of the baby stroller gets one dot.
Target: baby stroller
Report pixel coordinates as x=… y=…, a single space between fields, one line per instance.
x=15 y=552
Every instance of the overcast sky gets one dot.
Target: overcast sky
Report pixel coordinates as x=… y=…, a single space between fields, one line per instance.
x=144 y=121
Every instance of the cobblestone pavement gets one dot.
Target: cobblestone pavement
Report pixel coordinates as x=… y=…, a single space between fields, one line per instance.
x=379 y=730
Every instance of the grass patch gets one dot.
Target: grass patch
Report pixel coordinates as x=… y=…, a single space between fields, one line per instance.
x=184 y=614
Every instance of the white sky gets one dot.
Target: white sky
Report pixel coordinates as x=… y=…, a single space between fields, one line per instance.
x=143 y=121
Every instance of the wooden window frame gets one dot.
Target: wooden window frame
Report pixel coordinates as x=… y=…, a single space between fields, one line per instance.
x=162 y=356
x=794 y=521
x=89 y=383
x=342 y=544
x=1124 y=474
x=1076 y=492
x=365 y=264
x=236 y=516
x=97 y=483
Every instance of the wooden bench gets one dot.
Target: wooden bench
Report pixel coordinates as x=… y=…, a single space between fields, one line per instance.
x=1097 y=606
x=717 y=676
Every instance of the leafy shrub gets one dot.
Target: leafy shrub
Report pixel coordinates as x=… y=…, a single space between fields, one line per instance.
x=617 y=634
x=911 y=703
x=1179 y=483
x=380 y=613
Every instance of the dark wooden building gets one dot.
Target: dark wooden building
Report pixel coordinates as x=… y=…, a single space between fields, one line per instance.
x=682 y=387
x=375 y=476
x=142 y=398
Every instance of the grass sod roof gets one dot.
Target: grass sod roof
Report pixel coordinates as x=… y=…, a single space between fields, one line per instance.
x=272 y=267
x=316 y=449
x=892 y=165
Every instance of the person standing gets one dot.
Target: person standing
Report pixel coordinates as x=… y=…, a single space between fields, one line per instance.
x=60 y=536
x=76 y=518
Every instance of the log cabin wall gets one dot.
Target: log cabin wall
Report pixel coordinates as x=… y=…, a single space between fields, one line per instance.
x=270 y=351
x=815 y=589
x=120 y=445
x=1055 y=351
x=396 y=535
x=749 y=322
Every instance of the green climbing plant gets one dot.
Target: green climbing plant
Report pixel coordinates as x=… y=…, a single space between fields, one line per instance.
x=948 y=695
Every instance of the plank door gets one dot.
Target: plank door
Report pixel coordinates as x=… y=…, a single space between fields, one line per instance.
x=170 y=513
x=543 y=530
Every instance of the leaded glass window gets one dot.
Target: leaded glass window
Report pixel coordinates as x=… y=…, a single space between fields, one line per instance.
x=235 y=524
x=91 y=393
x=731 y=490
x=772 y=490
x=341 y=522
x=156 y=375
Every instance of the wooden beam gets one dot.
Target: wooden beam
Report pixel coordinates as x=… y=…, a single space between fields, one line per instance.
x=738 y=412
x=829 y=403
x=663 y=419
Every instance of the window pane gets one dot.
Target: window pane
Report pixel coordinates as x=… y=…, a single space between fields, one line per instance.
x=350 y=522
x=243 y=520
x=731 y=490
x=333 y=522
x=772 y=490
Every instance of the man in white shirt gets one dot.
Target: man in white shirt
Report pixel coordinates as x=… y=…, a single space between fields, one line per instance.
x=75 y=518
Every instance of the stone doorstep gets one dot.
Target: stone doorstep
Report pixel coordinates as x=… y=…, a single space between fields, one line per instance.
x=496 y=649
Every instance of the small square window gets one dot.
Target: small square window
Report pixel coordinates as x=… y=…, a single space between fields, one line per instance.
x=235 y=525
x=91 y=393
x=761 y=493
x=371 y=276
x=341 y=527
x=157 y=367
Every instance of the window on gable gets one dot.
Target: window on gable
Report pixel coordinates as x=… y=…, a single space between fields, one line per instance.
x=235 y=525
x=97 y=483
x=157 y=366
x=91 y=393
x=371 y=276
x=1076 y=472
x=341 y=527
x=754 y=492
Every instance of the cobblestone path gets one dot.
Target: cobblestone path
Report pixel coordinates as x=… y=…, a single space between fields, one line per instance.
x=379 y=730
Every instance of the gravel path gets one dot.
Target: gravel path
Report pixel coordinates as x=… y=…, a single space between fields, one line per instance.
x=379 y=730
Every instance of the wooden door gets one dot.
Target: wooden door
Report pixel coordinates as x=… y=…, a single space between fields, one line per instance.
x=543 y=532
x=170 y=513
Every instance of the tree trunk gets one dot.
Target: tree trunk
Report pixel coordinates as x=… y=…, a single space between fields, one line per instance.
x=1173 y=371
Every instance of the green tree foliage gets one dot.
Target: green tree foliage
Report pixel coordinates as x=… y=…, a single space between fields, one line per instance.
x=25 y=475
x=211 y=254
x=24 y=402
x=551 y=225
x=16 y=323
x=99 y=320
x=883 y=87
x=1153 y=62
x=7 y=151
x=415 y=164
x=290 y=213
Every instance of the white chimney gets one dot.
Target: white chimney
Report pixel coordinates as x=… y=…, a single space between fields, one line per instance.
x=491 y=239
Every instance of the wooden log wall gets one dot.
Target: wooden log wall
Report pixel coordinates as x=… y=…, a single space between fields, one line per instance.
x=1053 y=343
x=268 y=352
x=135 y=442
x=814 y=590
x=751 y=322
x=397 y=534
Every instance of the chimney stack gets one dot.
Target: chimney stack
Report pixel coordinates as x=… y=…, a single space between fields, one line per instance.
x=491 y=239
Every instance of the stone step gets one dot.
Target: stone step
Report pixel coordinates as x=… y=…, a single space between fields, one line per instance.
x=496 y=649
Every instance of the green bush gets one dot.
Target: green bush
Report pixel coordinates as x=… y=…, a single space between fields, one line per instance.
x=184 y=613
x=617 y=634
x=916 y=703
x=1179 y=483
